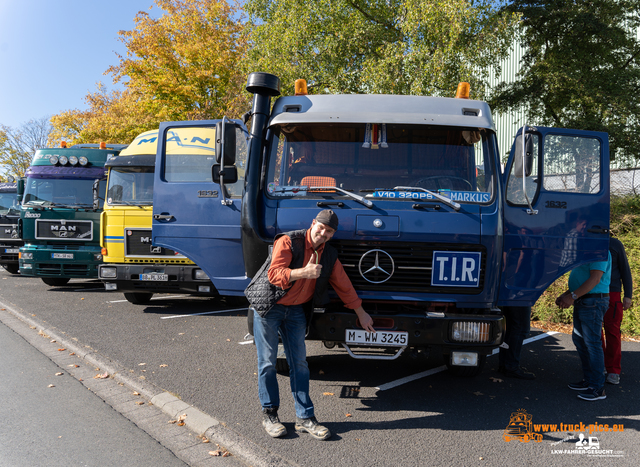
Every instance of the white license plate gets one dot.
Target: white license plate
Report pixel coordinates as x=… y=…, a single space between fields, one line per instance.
x=385 y=338
x=12 y=250
x=62 y=255
x=154 y=277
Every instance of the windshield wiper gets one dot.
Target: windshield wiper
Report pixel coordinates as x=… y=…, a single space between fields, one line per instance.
x=445 y=200
x=295 y=189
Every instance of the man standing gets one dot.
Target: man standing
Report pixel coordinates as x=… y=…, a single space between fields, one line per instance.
x=589 y=294
x=298 y=272
x=611 y=342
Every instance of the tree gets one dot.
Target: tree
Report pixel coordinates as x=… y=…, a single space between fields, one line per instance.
x=422 y=47
x=581 y=68
x=180 y=66
x=112 y=117
x=18 y=145
x=184 y=64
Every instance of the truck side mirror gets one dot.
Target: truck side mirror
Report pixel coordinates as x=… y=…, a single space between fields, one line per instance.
x=523 y=157
x=229 y=174
x=226 y=142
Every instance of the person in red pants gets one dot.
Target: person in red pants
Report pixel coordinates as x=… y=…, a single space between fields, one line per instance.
x=620 y=277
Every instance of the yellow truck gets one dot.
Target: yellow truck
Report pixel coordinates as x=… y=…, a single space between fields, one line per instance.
x=131 y=263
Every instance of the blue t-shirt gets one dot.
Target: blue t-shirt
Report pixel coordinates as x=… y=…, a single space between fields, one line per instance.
x=580 y=274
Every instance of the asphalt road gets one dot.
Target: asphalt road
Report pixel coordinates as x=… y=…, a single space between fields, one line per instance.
x=402 y=412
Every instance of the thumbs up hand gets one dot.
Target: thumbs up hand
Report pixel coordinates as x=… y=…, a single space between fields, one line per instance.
x=312 y=270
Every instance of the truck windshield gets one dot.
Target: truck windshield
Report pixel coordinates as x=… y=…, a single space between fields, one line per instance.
x=131 y=186
x=382 y=161
x=52 y=191
x=7 y=203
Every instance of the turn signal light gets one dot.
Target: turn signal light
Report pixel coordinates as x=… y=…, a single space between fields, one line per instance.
x=103 y=251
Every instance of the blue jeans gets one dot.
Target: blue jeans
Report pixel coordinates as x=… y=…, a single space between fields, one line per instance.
x=290 y=322
x=588 y=314
x=518 y=326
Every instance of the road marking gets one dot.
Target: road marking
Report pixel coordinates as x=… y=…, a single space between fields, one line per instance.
x=204 y=313
x=153 y=298
x=433 y=371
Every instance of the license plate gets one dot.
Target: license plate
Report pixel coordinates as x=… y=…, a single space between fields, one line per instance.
x=456 y=268
x=62 y=255
x=12 y=250
x=154 y=277
x=384 y=338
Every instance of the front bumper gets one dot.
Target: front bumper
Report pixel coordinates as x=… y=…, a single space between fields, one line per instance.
x=451 y=331
x=63 y=263
x=9 y=252
x=180 y=278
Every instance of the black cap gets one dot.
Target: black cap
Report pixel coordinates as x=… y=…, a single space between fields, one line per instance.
x=328 y=218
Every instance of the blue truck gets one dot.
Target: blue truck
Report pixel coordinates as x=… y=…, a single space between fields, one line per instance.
x=10 y=240
x=435 y=235
x=60 y=216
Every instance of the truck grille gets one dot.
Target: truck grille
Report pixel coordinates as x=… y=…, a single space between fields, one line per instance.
x=137 y=242
x=412 y=266
x=60 y=229
x=9 y=231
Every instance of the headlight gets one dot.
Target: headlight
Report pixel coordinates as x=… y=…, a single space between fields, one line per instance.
x=53 y=159
x=469 y=331
x=83 y=160
x=25 y=255
x=200 y=274
x=63 y=160
x=108 y=273
x=73 y=160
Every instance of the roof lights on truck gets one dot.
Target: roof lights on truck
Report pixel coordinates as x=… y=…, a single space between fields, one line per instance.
x=63 y=144
x=53 y=159
x=103 y=145
x=83 y=160
x=463 y=90
x=301 y=87
x=63 y=160
x=73 y=160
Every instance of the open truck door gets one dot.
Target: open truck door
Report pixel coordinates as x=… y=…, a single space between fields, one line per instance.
x=197 y=195
x=556 y=210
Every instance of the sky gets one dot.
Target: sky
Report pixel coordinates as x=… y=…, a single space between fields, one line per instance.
x=53 y=52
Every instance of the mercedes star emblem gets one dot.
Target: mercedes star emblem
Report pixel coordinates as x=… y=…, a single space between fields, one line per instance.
x=376 y=266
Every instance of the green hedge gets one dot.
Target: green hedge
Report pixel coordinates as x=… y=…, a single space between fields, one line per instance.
x=625 y=224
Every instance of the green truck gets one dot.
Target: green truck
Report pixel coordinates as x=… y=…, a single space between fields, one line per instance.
x=10 y=241
x=60 y=217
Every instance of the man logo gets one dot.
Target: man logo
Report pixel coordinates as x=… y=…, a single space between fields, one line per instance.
x=376 y=266
x=145 y=239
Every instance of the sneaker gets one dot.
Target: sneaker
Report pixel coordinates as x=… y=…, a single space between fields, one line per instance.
x=581 y=386
x=613 y=378
x=311 y=426
x=592 y=394
x=271 y=423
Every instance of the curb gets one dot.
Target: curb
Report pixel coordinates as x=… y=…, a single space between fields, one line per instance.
x=197 y=421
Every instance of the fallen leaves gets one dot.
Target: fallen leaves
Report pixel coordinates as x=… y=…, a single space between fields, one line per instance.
x=51 y=386
x=164 y=365
x=220 y=452
x=496 y=380
x=61 y=350
x=104 y=375
x=328 y=394
x=348 y=415
x=59 y=373
x=180 y=420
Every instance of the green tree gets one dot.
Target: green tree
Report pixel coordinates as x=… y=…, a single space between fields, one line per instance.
x=18 y=145
x=581 y=68
x=422 y=47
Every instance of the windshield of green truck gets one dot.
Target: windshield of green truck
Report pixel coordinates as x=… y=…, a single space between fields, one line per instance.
x=130 y=186
x=382 y=161
x=8 y=202
x=51 y=191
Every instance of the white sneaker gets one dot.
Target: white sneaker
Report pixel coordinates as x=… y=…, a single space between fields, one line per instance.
x=613 y=378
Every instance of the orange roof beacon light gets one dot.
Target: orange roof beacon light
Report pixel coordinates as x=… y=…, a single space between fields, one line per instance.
x=301 y=87
x=103 y=145
x=63 y=144
x=463 y=90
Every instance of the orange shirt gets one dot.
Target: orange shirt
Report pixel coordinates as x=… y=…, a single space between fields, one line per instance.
x=303 y=289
